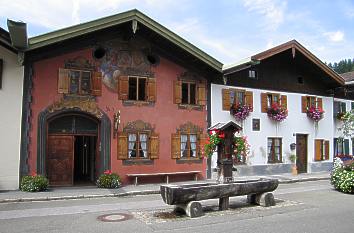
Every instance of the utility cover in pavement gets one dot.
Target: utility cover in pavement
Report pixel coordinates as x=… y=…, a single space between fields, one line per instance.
x=117 y=217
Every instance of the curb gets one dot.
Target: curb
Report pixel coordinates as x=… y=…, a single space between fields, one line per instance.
x=129 y=193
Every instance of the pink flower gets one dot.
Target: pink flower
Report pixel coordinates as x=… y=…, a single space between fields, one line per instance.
x=107 y=172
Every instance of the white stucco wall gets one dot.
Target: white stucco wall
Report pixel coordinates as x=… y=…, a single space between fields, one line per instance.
x=10 y=120
x=296 y=123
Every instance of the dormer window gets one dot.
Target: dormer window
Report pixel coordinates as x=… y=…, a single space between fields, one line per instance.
x=252 y=74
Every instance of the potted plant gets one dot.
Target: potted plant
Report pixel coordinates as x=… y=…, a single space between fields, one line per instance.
x=240 y=111
x=241 y=150
x=277 y=112
x=316 y=114
x=108 y=180
x=34 y=183
x=292 y=158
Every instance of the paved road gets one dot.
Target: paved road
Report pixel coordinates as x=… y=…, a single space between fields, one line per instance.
x=301 y=207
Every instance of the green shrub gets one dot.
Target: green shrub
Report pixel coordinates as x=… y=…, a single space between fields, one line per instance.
x=35 y=183
x=342 y=177
x=108 y=180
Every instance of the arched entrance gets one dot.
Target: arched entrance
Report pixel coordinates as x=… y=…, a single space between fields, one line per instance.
x=72 y=149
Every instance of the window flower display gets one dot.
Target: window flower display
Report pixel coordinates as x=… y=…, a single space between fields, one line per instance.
x=316 y=114
x=240 y=111
x=277 y=113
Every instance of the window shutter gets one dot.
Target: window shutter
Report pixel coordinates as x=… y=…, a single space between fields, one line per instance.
x=122 y=145
x=318 y=154
x=175 y=146
x=123 y=87
x=284 y=101
x=201 y=143
x=96 y=83
x=151 y=90
x=319 y=103
x=335 y=108
x=201 y=93
x=154 y=146
x=63 y=81
x=304 y=104
x=264 y=102
x=346 y=146
x=226 y=105
x=352 y=105
x=326 y=150
x=177 y=93
x=249 y=98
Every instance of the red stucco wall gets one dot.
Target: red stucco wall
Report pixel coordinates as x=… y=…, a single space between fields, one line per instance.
x=164 y=115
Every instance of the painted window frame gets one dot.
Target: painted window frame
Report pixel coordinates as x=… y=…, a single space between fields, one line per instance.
x=273 y=98
x=271 y=155
x=235 y=95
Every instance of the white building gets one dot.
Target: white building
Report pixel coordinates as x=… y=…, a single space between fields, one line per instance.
x=11 y=83
x=294 y=78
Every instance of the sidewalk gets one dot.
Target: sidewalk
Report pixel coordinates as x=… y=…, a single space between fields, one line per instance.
x=80 y=192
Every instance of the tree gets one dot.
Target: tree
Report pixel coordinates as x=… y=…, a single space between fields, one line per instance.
x=343 y=66
x=347 y=128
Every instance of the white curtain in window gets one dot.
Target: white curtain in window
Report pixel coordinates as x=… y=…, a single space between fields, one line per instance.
x=131 y=145
x=143 y=145
x=193 y=140
x=184 y=146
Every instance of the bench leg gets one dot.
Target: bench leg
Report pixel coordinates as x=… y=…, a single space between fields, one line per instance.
x=224 y=203
x=192 y=209
x=167 y=180
x=262 y=199
x=136 y=181
x=196 y=177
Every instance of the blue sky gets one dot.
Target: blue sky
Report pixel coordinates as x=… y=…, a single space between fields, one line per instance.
x=228 y=30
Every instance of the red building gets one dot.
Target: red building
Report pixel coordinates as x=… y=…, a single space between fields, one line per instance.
x=120 y=93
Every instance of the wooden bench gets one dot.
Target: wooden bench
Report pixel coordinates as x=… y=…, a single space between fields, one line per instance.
x=166 y=174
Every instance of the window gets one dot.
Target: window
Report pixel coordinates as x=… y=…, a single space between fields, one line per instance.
x=252 y=74
x=188 y=142
x=137 y=145
x=341 y=146
x=339 y=108
x=189 y=93
x=79 y=82
x=137 y=88
x=274 y=150
x=271 y=99
x=1 y=68
x=188 y=146
x=321 y=150
x=310 y=101
x=237 y=97
x=137 y=142
x=232 y=97
x=268 y=99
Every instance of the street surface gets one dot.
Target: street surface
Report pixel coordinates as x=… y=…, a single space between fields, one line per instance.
x=301 y=207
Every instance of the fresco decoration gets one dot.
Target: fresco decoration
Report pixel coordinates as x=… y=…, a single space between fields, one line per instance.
x=188 y=75
x=124 y=58
x=79 y=63
x=190 y=127
x=138 y=125
x=85 y=104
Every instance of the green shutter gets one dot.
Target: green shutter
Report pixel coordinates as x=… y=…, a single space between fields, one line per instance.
x=352 y=105
x=343 y=107
x=346 y=146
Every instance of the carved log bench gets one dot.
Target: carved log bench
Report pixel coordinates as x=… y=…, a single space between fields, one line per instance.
x=165 y=174
x=186 y=197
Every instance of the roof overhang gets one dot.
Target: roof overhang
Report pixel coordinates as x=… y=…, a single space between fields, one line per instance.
x=134 y=16
x=294 y=46
x=5 y=40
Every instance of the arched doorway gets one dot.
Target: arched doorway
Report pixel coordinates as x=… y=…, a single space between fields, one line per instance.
x=72 y=149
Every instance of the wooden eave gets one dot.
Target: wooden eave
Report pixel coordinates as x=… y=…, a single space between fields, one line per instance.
x=296 y=46
x=110 y=21
x=5 y=40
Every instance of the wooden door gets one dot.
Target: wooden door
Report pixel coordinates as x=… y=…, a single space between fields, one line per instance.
x=301 y=153
x=60 y=160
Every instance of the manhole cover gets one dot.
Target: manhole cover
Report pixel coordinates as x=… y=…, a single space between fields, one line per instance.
x=118 y=217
